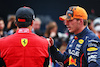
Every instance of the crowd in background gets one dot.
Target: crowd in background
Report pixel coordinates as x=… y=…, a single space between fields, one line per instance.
x=51 y=30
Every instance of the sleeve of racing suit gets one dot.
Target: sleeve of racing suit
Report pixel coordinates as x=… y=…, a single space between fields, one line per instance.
x=57 y=55
x=93 y=54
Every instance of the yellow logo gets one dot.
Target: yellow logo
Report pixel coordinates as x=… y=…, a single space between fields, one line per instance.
x=92 y=49
x=81 y=41
x=57 y=49
x=72 y=61
x=24 y=41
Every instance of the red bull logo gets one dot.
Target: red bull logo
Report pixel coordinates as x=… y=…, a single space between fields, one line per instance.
x=72 y=61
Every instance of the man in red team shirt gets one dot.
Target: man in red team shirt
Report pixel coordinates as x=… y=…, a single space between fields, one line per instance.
x=24 y=48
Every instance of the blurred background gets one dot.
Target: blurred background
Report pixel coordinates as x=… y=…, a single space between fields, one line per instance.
x=48 y=9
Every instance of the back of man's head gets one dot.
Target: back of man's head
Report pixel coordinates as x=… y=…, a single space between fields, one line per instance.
x=24 y=17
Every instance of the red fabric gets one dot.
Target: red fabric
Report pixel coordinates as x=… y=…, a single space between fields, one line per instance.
x=67 y=60
x=16 y=55
x=81 y=59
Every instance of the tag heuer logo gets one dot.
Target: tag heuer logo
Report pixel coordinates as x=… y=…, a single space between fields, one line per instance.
x=24 y=41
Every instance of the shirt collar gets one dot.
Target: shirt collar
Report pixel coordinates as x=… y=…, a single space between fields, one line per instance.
x=23 y=30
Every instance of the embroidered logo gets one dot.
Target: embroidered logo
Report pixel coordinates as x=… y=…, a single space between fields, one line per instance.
x=72 y=61
x=24 y=41
x=81 y=41
x=92 y=49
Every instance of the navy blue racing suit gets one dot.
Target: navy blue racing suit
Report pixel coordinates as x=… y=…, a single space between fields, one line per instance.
x=82 y=51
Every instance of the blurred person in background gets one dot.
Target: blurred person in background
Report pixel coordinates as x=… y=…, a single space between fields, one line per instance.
x=59 y=38
x=2 y=26
x=96 y=25
x=90 y=22
x=36 y=27
x=52 y=31
x=11 y=27
x=90 y=25
x=24 y=48
x=83 y=49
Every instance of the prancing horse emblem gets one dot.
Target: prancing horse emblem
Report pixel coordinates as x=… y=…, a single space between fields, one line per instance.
x=24 y=41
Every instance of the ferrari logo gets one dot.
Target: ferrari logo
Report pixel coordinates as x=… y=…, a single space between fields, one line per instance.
x=72 y=61
x=24 y=41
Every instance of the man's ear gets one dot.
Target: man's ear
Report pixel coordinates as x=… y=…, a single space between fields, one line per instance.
x=81 y=21
x=15 y=23
x=32 y=22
